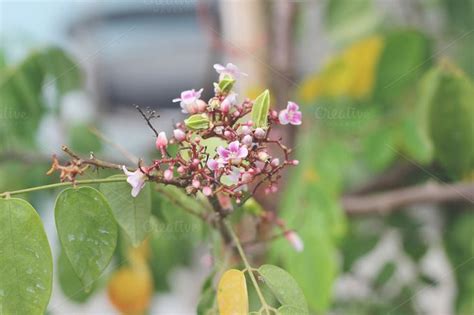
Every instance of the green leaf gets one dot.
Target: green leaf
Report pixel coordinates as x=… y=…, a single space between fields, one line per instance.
x=380 y=148
x=87 y=231
x=290 y=310
x=226 y=84
x=406 y=55
x=208 y=297
x=82 y=140
x=451 y=117
x=21 y=94
x=70 y=284
x=284 y=287
x=197 y=122
x=347 y=20
x=260 y=109
x=26 y=267
x=132 y=214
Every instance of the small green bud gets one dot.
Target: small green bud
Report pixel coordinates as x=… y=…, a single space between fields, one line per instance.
x=197 y=121
x=226 y=84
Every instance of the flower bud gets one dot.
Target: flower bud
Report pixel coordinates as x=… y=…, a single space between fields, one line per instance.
x=168 y=174
x=225 y=106
x=275 y=162
x=295 y=241
x=295 y=162
x=263 y=156
x=179 y=135
x=181 y=169
x=161 y=140
x=201 y=106
x=196 y=122
x=259 y=133
x=207 y=191
x=246 y=177
x=196 y=183
x=247 y=140
x=245 y=130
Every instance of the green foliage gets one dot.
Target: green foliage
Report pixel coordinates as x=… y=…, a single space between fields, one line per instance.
x=284 y=287
x=69 y=282
x=87 y=231
x=206 y=305
x=350 y=20
x=451 y=117
x=26 y=265
x=260 y=109
x=460 y=248
x=82 y=140
x=21 y=100
x=405 y=56
x=132 y=214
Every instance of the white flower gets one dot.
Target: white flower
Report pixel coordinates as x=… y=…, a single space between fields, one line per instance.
x=136 y=179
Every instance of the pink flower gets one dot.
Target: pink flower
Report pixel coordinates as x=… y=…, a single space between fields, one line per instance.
x=161 y=141
x=295 y=240
x=190 y=102
x=290 y=115
x=234 y=152
x=230 y=69
x=136 y=179
x=214 y=164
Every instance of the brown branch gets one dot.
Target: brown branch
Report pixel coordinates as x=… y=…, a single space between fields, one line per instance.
x=391 y=200
x=91 y=161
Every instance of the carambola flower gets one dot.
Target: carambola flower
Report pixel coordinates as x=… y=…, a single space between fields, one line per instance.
x=136 y=179
x=230 y=69
x=290 y=115
x=234 y=152
x=190 y=102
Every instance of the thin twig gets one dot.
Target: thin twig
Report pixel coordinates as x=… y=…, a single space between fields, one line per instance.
x=151 y=115
x=398 y=198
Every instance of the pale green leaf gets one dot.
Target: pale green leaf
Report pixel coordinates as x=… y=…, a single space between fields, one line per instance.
x=284 y=287
x=290 y=310
x=260 y=109
x=87 y=231
x=132 y=214
x=26 y=265
x=197 y=122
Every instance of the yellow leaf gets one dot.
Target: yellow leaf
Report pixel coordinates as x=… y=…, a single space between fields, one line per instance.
x=351 y=73
x=232 y=296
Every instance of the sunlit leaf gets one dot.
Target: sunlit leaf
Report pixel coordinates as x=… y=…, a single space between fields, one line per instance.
x=284 y=287
x=26 y=265
x=131 y=213
x=232 y=296
x=87 y=231
x=260 y=109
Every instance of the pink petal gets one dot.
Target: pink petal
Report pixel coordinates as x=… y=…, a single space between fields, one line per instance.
x=243 y=152
x=296 y=119
x=292 y=107
x=212 y=164
x=127 y=172
x=283 y=117
x=234 y=147
x=219 y=68
x=224 y=153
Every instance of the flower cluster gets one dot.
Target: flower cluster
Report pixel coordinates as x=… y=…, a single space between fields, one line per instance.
x=220 y=151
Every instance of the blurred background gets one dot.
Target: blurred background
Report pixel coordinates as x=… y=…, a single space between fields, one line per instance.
x=384 y=194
